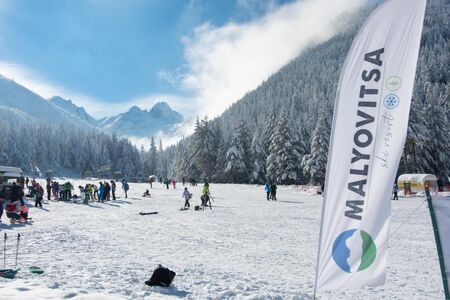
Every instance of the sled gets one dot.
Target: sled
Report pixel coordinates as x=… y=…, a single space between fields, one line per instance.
x=36 y=270
x=8 y=273
x=148 y=213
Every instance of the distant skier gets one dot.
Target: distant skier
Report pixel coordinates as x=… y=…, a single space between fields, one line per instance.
x=205 y=188
x=101 y=192
x=107 y=191
x=27 y=180
x=174 y=183
x=49 y=187
x=184 y=181
x=395 y=191
x=273 y=192
x=125 y=187
x=167 y=182
x=268 y=190
x=186 y=196
x=113 y=189
x=39 y=194
x=146 y=194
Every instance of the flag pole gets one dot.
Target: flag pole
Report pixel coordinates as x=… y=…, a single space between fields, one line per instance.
x=438 y=242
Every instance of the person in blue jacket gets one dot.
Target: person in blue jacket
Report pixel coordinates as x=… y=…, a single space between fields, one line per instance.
x=268 y=190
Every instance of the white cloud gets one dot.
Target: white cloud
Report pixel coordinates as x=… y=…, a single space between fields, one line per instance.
x=226 y=62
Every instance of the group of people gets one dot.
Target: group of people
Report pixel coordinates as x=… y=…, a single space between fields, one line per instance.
x=271 y=191
x=205 y=198
x=101 y=192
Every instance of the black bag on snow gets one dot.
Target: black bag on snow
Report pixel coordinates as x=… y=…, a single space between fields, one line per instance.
x=161 y=277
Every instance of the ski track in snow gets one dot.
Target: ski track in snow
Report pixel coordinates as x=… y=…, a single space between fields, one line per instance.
x=244 y=248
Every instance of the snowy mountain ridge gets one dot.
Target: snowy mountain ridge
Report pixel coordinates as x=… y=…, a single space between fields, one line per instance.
x=19 y=104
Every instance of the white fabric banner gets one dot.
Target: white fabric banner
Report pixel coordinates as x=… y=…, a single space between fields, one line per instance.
x=368 y=134
x=441 y=207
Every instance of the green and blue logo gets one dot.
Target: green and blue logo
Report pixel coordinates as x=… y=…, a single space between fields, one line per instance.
x=341 y=251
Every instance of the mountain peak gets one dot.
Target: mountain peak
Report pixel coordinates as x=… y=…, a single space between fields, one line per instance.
x=134 y=108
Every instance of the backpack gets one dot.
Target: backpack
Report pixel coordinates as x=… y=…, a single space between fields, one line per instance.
x=161 y=277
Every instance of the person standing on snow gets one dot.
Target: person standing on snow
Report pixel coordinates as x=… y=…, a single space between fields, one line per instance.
x=186 y=196
x=268 y=190
x=273 y=192
x=395 y=191
x=174 y=183
x=125 y=187
x=101 y=192
x=49 y=188
x=27 y=180
x=167 y=182
x=206 y=189
x=107 y=191
x=38 y=196
x=113 y=189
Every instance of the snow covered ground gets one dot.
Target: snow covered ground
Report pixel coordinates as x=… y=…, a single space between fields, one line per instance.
x=244 y=248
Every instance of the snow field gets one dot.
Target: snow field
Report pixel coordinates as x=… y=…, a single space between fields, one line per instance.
x=244 y=248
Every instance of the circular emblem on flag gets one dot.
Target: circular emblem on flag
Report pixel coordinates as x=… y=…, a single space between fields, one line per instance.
x=354 y=250
x=393 y=83
x=391 y=101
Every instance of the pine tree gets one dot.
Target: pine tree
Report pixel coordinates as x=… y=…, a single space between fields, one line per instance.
x=204 y=148
x=283 y=162
x=258 y=159
x=314 y=164
x=238 y=155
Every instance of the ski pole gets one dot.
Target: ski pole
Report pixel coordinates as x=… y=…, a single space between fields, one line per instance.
x=4 y=251
x=17 y=248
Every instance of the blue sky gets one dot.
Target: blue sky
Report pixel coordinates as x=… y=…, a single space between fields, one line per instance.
x=111 y=52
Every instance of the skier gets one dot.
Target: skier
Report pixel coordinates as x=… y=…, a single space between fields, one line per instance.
x=101 y=192
x=146 y=194
x=125 y=187
x=39 y=194
x=186 y=196
x=395 y=191
x=174 y=183
x=49 y=187
x=184 y=181
x=113 y=189
x=82 y=193
x=268 y=191
x=206 y=188
x=27 y=180
x=87 y=194
x=273 y=192
x=95 y=187
x=107 y=191
x=167 y=182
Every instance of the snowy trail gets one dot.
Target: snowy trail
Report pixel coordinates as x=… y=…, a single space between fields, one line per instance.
x=244 y=248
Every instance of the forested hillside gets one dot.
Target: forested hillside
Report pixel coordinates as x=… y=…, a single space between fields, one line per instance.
x=280 y=131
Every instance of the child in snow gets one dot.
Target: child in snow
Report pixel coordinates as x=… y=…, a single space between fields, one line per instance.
x=39 y=194
x=186 y=196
